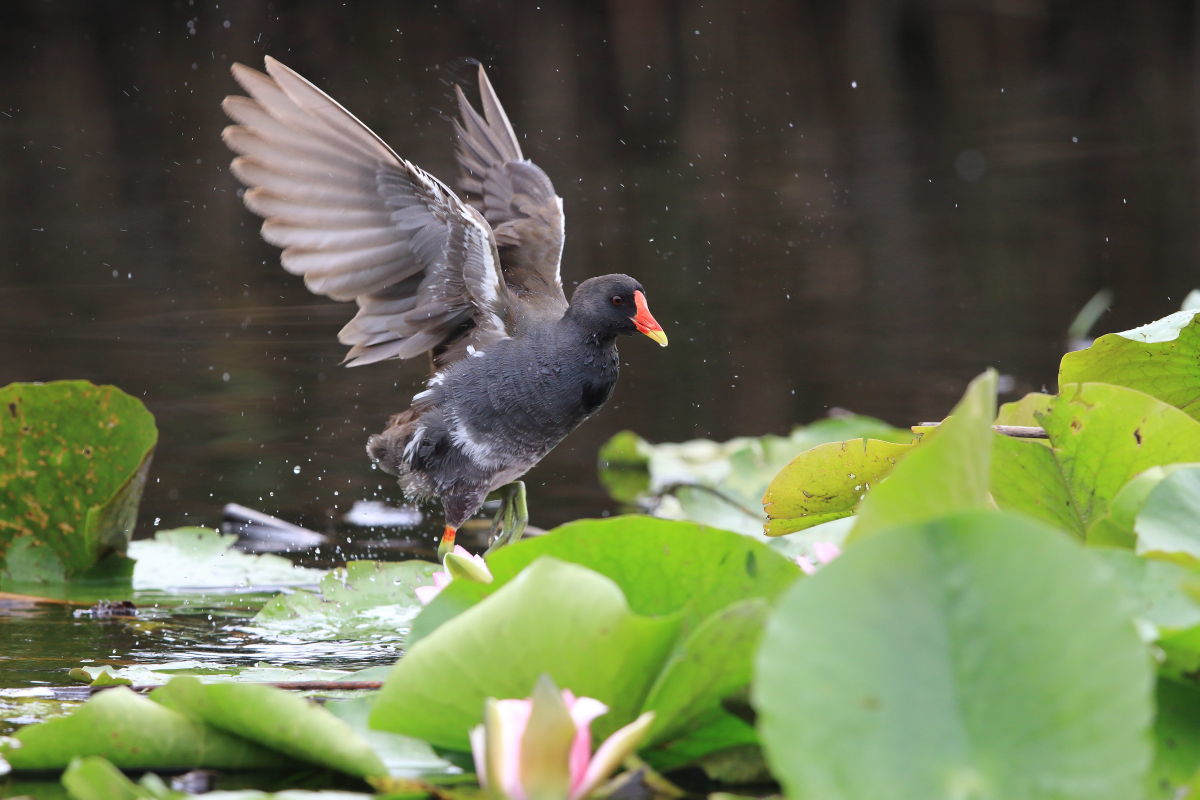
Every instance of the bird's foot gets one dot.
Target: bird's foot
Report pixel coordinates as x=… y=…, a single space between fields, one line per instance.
x=510 y=521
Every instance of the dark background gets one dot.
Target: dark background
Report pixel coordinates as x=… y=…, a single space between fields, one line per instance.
x=859 y=204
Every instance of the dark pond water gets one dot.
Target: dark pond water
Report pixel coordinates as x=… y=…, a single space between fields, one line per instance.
x=856 y=205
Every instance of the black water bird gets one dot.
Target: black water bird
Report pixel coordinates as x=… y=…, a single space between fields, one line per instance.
x=473 y=281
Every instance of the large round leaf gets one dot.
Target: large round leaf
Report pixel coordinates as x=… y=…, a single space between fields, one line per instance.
x=827 y=482
x=133 y=732
x=555 y=618
x=1158 y=359
x=73 y=461
x=1168 y=522
x=981 y=655
x=658 y=564
x=1100 y=436
x=275 y=719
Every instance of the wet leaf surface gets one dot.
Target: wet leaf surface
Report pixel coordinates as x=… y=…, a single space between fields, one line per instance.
x=201 y=558
x=365 y=600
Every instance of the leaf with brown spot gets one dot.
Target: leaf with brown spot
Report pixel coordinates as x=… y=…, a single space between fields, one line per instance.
x=73 y=462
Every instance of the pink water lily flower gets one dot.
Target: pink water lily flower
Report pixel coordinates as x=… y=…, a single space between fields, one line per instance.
x=824 y=551
x=457 y=564
x=550 y=759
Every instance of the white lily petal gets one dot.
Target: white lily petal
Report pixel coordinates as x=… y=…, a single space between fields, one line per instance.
x=505 y=722
x=479 y=754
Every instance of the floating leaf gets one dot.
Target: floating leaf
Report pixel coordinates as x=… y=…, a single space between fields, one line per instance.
x=277 y=720
x=625 y=467
x=719 y=483
x=1159 y=359
x=1155 y=593
x=1024 y=411
x=1169 y=520
x=133 y=732
x=946 y=471
x=712 y=663
x=956 y=658
x=95 y=778
x=201 y=558
x=364 y=599
x=827 y=483
x=656 y=563
x=404 y=756
x=73 y=461
x=1176 y=740
x=1100 y=436
x=556 y=618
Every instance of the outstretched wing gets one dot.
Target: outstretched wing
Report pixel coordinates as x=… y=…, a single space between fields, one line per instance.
x=360 y=223
x=518 y=201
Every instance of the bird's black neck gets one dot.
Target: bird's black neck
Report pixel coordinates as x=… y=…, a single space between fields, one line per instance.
x=579 y=332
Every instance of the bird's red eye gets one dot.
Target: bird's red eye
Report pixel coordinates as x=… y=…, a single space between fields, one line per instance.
x=618 y=300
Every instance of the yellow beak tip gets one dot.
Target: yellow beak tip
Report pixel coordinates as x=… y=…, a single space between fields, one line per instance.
x=658 y=336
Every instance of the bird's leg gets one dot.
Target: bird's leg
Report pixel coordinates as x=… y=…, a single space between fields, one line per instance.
x=512 y=517
x=447 y=543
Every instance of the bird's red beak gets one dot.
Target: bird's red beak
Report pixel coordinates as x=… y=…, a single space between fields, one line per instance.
x=644 y=321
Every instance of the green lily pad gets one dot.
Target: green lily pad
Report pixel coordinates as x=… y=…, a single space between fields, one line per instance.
x=403 y=756
x=719 y=483
x=1100 y=436
x=956 y=658
x=656 y=563
x=946 y=471
x=363 y=600
x=1159 y=359
x=1176 y=740
x=714 y=662
x=555 y=618
x=1114 y=526
x=827 y=483
x=1155 y=593
x=133 y=732
x=1169 y=520
x=625 y=467
x=95 y=778
x=73 y=462
x=1024 y=411
x=275 y=719
x=201 y=558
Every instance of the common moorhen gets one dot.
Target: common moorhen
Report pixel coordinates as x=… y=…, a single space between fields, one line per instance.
x=475 y=284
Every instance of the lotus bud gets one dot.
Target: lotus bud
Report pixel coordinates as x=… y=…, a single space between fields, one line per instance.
x=461 y=564
x=457 y=564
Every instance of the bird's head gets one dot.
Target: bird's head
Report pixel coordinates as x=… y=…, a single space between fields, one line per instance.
x=613 y=304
